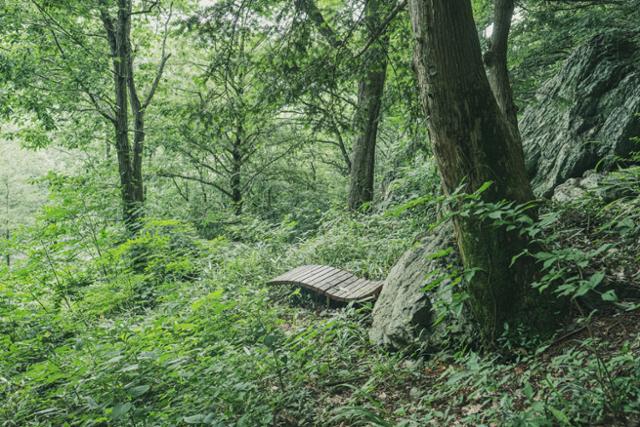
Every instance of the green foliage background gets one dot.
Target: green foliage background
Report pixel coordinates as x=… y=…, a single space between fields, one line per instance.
x=176 y=326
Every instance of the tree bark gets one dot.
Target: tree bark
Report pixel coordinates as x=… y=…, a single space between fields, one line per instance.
x=236 y=171
x=118 y=37
x=129 y=159
x=138 y=130
x=495 y=60
x=371 y=89
x=7 y=230
x=473 y=144
x=123 y=148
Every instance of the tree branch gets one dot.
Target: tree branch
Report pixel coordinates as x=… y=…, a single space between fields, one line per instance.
x=166 y=174
x=382 y=28
x=163 y=61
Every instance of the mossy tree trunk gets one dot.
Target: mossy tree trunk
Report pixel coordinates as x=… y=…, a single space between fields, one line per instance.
x=473 y=143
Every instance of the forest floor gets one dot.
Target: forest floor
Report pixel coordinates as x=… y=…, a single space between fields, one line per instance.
x=593 y=362
x=197 y=338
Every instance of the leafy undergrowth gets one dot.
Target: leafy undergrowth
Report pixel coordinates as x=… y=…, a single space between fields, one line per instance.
x=188 y=334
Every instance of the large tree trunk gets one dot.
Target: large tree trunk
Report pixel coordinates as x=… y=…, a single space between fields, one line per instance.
x=473 y=144
x=371 y=89
x=496 y=60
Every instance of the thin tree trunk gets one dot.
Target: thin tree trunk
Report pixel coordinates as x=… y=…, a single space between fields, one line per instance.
x=473 y=144
x=7 y=211
x=495 y=60
x=123 y=148
x=138 y=132
x=236 y=172
x=371 y=89
x=118 y=37
x=129 y=160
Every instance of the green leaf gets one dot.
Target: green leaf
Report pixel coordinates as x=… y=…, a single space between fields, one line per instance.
x=139 y=390
x=610 y=296
x=495 y=215
x=484 y=187
x=596 y=279
x=270 y=340
x=560 y=416
x=528 y=391
x=194 y=419
x=121 y=409
x=440 y=254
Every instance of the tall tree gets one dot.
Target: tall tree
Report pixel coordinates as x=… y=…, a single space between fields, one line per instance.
x=371 y=89
x=231 y=132
x=371 y=84
x=473 y=143
x=495 y=59
x=118 y=34
x=82 y=66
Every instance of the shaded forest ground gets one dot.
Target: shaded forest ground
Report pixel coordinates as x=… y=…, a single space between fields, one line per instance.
x=195 y=337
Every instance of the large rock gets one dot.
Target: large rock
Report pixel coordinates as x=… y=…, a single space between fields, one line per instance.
x=586 y=115
x=403 y=312
x=574 y=189
x=604 y=186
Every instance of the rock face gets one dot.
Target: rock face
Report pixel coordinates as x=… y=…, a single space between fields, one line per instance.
x=586 y=115
x=403 y=311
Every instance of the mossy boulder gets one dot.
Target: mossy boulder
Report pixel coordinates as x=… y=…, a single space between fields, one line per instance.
x=404 y=312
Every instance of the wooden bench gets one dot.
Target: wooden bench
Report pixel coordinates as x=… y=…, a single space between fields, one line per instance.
x=335 y=284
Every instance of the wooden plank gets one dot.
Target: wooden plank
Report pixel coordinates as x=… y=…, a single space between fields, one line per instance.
x=369 y=290
x=319 y=275
x=323 y=278
x=338 y=278
x=347 y=297
x=310 y=269
x=318 y=272
x=349 y=290
x=344 y=284
x=330 y=281
x=286 y=276
x=335 y=280
x=346 y=288
x=357 y=291
x=312 y=283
